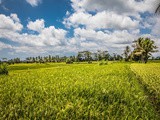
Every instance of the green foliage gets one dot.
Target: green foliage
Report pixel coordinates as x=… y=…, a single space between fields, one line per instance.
x=103 y=62
x=69 y=61
x=4 y=69
x=143 y=48
x=126 y=53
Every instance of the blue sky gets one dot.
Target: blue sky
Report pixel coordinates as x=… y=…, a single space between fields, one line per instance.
x=64 y=27
x=52 y=11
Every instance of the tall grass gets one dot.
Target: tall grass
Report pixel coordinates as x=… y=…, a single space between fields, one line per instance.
x=150 y=74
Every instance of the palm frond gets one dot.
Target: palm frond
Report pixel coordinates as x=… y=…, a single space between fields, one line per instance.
x=158 y=9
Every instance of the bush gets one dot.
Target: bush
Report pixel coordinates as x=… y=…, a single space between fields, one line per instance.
x=4 y=69
x=103 y=62
x=69 y=61
x=89 y=62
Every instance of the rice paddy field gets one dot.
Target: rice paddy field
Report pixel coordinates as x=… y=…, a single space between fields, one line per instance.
x=117 y=91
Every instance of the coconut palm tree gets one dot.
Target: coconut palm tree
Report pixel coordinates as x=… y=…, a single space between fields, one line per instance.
x=144 y=47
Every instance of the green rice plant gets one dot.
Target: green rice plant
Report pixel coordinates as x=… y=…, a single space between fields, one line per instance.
x=77 y=91
x=150 y=78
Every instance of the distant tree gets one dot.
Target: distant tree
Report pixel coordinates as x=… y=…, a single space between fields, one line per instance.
x=69 y=61
x=114 y=56
x=53 y=59
x=126 y=53
x=17 y=60
x=100 y=55
x=33 y=59
x=143 y=48
x=105 y=55
x=95 y=56
x=119 y=57
x=157 y=58
x=49 y=58
x=4 y=59
x=79 y=57
x=36 y=59
x=87 y=56
x=57 y=58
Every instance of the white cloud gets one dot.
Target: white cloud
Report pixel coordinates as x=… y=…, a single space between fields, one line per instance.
x=4 y=46
x=15 y=17
x=94 y=40
x=37 y=25
x=53 y=36
x=9 y=23
x=47 y=36
x=156 y=26
x=119 y=6
x=116 y=37
x=101 y=20
x=34 y=3
x=111 y=24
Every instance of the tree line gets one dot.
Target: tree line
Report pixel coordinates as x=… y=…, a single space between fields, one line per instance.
x=141 y=51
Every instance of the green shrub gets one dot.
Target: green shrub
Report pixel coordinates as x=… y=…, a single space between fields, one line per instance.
x=4 y=69
x=103 y=62
x=89 y=62
x=69 y=61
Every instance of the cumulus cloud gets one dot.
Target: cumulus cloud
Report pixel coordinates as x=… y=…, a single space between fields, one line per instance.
x=10 y=23
x=4 y=46
x=101 y=20
x=34 y=3
x=106 y=38
x=15 y=17
x=118 y=6
x=111 y=24
x=47 y=36
x=156 y=26
x=37 y=25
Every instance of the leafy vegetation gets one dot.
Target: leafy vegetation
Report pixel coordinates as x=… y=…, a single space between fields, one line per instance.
x=77 y=91
x=126 y=53
x=143 y=48
x=103 y=62
x=69 y=61
x=4 y=69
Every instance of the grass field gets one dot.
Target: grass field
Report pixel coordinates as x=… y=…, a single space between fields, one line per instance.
x=80 y=91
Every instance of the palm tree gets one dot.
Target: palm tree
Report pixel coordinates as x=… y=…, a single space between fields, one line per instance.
x=144 y=47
